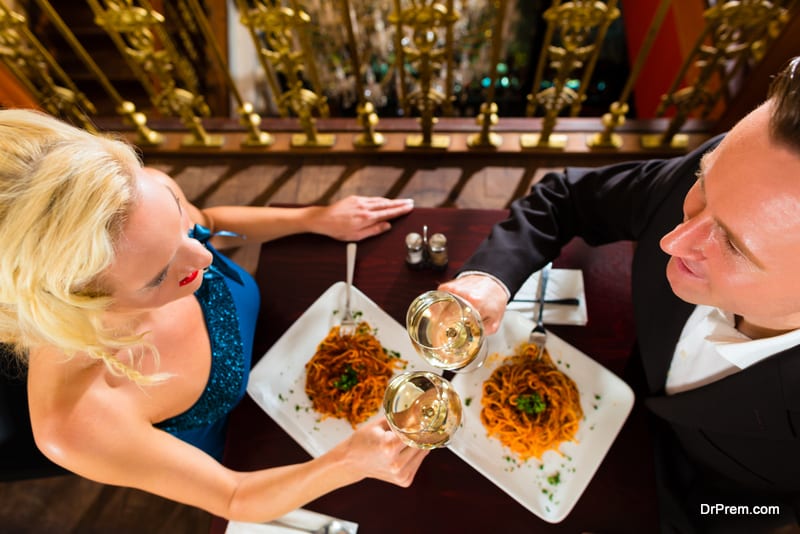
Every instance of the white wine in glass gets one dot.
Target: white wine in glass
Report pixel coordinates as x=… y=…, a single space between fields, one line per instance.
x=422 y=408
x=447 y=331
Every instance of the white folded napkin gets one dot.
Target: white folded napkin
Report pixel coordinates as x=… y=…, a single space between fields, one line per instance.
x=563 y=283
x=296 y=520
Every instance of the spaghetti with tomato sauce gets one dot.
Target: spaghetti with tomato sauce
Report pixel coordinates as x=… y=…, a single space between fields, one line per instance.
x=530 y=405
x=347 y=376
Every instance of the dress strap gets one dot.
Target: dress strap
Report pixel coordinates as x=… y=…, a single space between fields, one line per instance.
x=219 y=266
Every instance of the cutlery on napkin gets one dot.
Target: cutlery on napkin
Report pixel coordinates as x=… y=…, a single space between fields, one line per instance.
x=563 y=284
x=300 y=520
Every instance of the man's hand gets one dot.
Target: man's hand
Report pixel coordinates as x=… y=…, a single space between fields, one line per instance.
x=485 y=294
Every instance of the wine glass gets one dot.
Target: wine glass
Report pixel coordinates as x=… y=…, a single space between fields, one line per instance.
x=447 y=331
x=422 y=408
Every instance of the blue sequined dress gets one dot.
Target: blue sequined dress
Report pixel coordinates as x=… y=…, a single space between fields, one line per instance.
x=229 y=299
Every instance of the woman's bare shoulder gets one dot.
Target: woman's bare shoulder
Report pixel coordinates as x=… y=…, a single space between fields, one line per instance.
x=73 y=401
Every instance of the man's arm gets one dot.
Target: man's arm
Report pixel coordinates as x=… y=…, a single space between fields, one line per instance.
x=602 y=205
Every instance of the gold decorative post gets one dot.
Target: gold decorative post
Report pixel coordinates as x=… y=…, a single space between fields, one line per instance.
x=275 y=31
x=247 y=115
x=127 y=109
x=488 y=114
x=425 y=18
x=31 y=63
x=138 y=33
x=365 y=110
x=617 y=110
x=577 y=22
x=735 y=31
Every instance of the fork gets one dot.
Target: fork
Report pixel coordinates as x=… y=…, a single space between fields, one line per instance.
x=538 y=335
x=348 y=324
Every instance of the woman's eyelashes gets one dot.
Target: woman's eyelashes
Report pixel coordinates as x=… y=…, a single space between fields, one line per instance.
x=159 y=279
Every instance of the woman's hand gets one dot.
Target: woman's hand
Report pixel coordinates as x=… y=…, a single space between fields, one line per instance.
x=488 y=297
x=375 y=451
x=356 y=217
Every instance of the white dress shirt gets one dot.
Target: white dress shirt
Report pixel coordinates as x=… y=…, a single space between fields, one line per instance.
x=710 y=348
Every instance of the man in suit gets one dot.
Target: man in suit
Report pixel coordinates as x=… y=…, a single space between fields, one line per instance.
x=716 y=297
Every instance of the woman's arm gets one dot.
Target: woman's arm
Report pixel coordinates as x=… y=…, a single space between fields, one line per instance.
x=103 y=437
x=350 y=219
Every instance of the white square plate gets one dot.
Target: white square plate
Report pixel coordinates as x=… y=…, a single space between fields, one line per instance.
x=277 y=382
x=606 y=402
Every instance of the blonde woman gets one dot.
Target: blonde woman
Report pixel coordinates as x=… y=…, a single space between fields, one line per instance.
x=137 y=333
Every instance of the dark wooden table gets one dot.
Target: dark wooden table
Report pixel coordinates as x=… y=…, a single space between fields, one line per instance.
x=447 y=494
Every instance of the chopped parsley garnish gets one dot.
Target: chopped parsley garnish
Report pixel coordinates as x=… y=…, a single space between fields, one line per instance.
x=348 y=379
x=531 y=404
x=391 y=353
x=553 y=480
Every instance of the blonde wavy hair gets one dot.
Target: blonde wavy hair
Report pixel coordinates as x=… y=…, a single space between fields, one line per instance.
x=64 y=198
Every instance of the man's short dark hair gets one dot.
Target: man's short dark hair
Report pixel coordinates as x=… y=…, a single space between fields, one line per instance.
x=784 y=124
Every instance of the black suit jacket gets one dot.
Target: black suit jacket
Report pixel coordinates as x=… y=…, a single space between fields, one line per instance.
x=739 y=434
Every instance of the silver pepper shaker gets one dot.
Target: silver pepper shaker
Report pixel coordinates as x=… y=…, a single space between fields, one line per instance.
x=437 y=249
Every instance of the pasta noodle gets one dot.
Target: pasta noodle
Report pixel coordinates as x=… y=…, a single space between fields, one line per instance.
x=530 y=405
x=347 y=376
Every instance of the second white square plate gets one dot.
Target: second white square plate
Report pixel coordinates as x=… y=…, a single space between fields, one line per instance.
x=549 y=488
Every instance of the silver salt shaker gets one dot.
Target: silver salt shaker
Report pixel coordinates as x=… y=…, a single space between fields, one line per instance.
x=415 y=253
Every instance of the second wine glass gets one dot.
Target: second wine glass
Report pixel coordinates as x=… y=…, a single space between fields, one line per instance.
x=447 y=331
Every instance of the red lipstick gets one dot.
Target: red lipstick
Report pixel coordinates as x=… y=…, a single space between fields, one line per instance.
x=189 y=279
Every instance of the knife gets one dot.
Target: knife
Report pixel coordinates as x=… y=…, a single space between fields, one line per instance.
x=569 y=301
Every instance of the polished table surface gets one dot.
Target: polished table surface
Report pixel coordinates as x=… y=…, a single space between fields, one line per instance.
x=447 y=494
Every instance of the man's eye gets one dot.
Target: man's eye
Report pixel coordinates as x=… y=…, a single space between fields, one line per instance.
x=728 y=244
x=733 y=247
